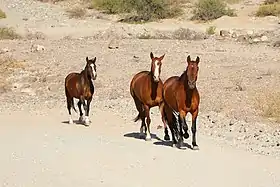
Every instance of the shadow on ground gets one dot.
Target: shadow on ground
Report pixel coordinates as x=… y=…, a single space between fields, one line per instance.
x=77 y=122
x=159 y=141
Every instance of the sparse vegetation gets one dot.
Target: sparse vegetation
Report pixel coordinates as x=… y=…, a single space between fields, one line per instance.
x=7 y=66
x=2 y=14
x=269 y=8
x=233 y=1
x=76 y=12
x=269 y=105
x=8 y=33
x=211 y=9
x=140 y=10
x=211 y=30
x=50 y=1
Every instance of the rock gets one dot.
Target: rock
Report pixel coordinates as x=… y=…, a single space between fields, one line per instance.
x=224 y=33
x=264 y=38
x=256 y=40
x=250 y=32
x=28 y=91
x=241 y=38
x=113 y=44
x=234 y=35
x=276 y=44
x=36 y=47
x=4 y=50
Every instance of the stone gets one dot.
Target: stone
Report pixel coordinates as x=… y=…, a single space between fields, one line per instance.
x=224 y=33
x=264 y=38
x=36 y=47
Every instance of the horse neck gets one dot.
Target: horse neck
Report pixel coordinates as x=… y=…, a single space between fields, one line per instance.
x=84 y=75
x=154 y=86
x=189 y=92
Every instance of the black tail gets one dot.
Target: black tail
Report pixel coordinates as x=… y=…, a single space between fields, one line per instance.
x=72 y=100
x=138 y=117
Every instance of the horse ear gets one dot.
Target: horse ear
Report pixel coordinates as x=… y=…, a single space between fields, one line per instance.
x=94 y=59
x=87 y=59
x=151 y=55
x=189 y=59
x=160 y=58
x=197 y=60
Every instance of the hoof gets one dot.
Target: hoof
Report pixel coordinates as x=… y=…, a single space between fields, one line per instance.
x=142 y=135
x=86 y=121
x=148 y=137
x=166 y=137
x=178 y=145
x=81 y=119
x=195 y=147
x=70 y=121
x=186 y=135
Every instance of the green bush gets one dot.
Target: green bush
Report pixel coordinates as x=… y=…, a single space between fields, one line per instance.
x=269 y=9
x=2 y=14
x=140 y=10
x=8 y=33
x=211 y=9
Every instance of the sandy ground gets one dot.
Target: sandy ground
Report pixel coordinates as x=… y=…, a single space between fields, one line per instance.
x=238 y=146
x=43 y=151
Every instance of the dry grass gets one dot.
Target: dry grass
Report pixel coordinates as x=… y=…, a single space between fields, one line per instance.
x=2 y=14
x=269 y=105
x=7 y=66
x=8 y=33
x=76 y=12
x=269 y=8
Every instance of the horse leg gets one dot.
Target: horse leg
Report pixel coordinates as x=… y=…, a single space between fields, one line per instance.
x=194 y=117
x=69 y=104
x=87 y=111
x=81 y=112
x=148 y=122
x=177 y=124
x=163 y=119
x=183 y=123
x=141 y=115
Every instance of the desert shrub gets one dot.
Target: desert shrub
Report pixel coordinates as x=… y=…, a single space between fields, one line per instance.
x=211 y=30
x=8 y=33
x=269 y=8
x=141 y=10
x=269 y=105
x=267 y=2
x=211 y=9
x=2 y=14
x=7 y=66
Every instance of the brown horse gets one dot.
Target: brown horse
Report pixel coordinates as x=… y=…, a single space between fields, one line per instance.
x=181 y=96
x=80 y=86
x=146 y=91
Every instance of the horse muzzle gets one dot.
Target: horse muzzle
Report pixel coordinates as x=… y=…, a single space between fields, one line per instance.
x=192 y=84
x=156 y=79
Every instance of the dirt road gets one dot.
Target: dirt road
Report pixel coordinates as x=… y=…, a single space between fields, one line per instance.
x=39 y=150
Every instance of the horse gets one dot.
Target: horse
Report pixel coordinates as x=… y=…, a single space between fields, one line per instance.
x=80 y=86
x=146 y=91
x=180 y=96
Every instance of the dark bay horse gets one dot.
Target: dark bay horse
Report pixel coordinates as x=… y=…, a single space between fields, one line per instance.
x=80 y=86
x=146 y=91
x=181 y=96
